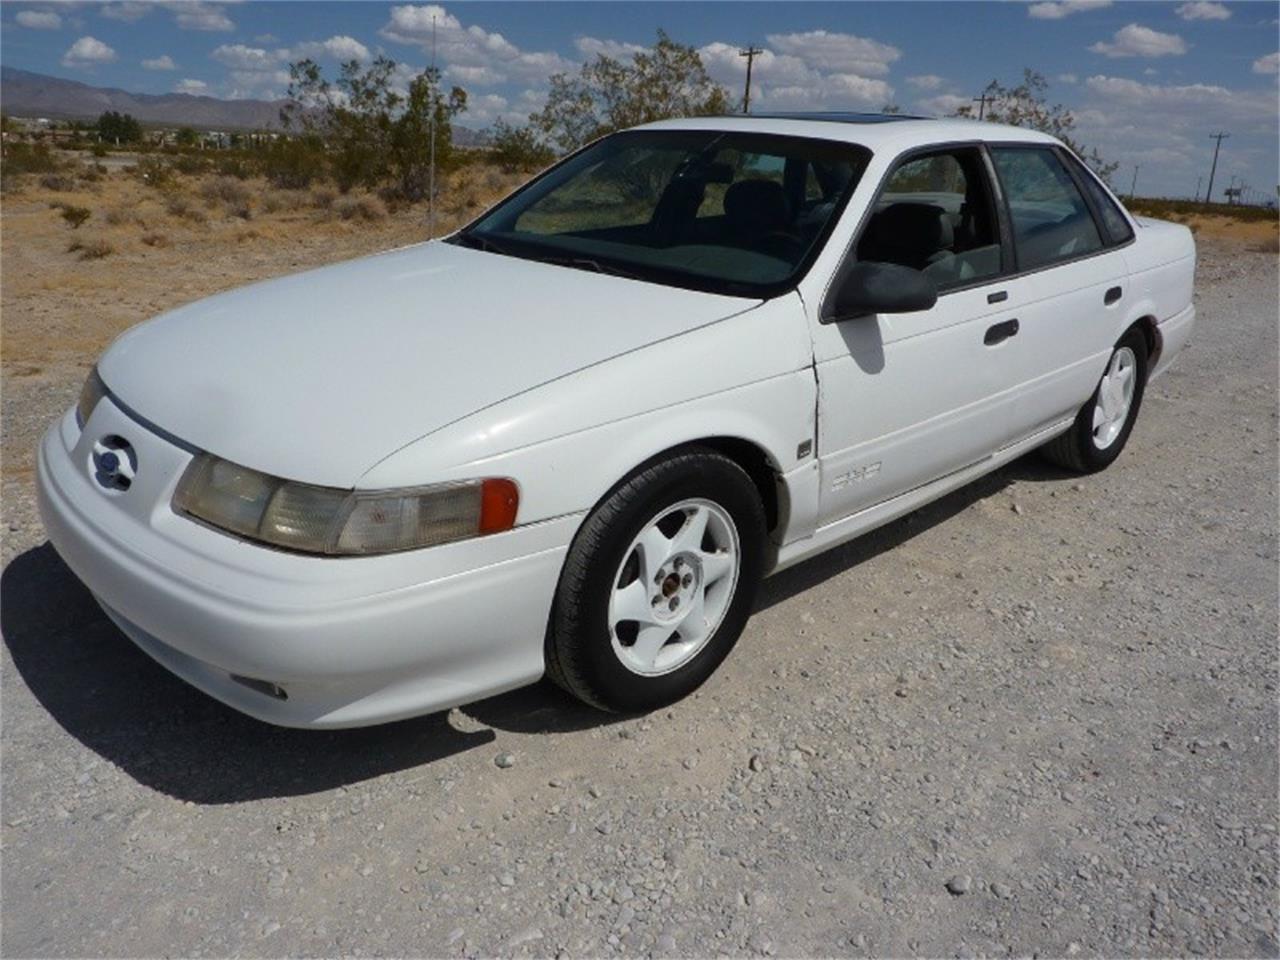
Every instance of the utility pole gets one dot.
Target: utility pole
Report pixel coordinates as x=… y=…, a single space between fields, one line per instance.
x=750 y=53
x=982 y=102
x=1208 y=194
x=1133 y=187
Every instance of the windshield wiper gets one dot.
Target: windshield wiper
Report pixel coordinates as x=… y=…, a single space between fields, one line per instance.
x=477 y=242
x=586 y=263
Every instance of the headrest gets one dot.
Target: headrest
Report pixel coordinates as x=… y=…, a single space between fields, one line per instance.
x=758 y=205
x=914 y=225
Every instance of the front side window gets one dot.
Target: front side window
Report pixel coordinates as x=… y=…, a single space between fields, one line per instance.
x=935 y=215
x=736 y=213
x=1051 y=221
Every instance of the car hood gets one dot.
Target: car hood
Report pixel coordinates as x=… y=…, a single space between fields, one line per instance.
x=319 y=375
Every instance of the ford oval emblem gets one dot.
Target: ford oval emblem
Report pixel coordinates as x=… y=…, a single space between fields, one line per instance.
x=114 y=463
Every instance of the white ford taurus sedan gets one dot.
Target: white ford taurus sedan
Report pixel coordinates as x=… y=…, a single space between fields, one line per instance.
x=572 y=437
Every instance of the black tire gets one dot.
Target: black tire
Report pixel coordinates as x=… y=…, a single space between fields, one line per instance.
x=1077 y=450
x=579 y=652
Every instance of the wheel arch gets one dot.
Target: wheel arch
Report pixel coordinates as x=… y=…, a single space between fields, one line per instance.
x=754 y=459
x=1151 y=333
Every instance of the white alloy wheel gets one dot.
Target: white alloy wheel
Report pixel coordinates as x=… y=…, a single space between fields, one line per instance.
x=1115 y=398
x=674 y=586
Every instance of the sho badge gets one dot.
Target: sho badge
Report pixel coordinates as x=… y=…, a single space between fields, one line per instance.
x=856 y=475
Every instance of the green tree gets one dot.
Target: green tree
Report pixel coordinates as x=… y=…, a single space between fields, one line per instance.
x=665 y=80
x=373 y=132
x=185 y=137
x=517 y=149
x=117 y=127
x=1027 y=105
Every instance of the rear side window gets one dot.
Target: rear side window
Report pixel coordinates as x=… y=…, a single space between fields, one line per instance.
x=1113 y=222
x=1051 y=221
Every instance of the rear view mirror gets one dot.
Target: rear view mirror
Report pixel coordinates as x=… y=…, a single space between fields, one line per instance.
x=868 y=287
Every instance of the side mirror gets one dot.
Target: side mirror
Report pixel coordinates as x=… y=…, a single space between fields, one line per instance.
x=868 y=287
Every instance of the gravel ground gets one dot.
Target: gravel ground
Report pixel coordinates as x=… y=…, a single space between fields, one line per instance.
x=1037 y=717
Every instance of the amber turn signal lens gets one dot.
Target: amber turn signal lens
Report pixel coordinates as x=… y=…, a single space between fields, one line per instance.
x=499 y=501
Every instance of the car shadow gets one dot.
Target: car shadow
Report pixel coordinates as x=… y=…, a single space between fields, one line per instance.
x=168 y=735
x=119 y=703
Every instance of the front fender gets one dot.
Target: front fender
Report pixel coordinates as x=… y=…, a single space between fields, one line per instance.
x=566 y=443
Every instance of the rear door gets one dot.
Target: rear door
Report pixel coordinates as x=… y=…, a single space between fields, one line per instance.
x=907 y=398
x=1068 y=288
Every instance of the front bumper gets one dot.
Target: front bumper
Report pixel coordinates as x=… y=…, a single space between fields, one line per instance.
x=349 y=641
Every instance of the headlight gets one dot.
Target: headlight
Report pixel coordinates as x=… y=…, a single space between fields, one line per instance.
x=92 y=391
x=325 y=520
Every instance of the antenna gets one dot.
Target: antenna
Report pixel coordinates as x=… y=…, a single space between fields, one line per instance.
x=1208 y=194
x=750 y=53
x=431 y=166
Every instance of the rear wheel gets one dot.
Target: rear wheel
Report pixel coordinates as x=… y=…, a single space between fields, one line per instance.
x=658 y=584
x=1103 y=425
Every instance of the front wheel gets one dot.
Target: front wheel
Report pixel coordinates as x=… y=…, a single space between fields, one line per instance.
x=658 y=584
x=1103 y=425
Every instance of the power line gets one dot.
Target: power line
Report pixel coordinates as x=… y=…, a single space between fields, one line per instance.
x=750 y=53
x=1219 y=137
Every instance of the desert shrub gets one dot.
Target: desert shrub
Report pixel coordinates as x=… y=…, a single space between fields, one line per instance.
x=99 y=150
x=57 y=182
x=323 y=198
x=9 y=185
x=190 y=165
x=76 y=216
x=91 y=249
x=30 y=158
x=117 y=216
x=181 y=207
x=283 y=200
x=293 y=163
x=241 y=210
x=154 y=171
x=155 y=239
x=93 y=174
x=360 y=208
x=226 y=190
x=235 y=167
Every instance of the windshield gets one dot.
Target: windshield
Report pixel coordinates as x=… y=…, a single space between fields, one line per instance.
x=742 y=214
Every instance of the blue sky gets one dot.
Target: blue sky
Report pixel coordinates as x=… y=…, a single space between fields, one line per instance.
x=1148 y=81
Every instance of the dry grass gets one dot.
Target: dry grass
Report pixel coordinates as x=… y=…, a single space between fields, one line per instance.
x=154 y=249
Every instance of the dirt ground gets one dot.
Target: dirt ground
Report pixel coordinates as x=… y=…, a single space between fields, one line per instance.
x=1038 y=717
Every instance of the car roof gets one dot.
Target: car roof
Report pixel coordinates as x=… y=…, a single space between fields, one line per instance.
x=876 y=131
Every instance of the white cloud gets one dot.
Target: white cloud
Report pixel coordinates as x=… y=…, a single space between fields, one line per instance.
x=238 y=56
x=38 y=20
x=88 y=52
x=1268 y=64
x=126 y=10
x=943 y=105
x=198 y=15
x=474 y=76
x=591 y=46
x=194 y=87
x=164 y=62
x=1068 y=78
x=1138 y=41
x=1057 y=9
x=266 y=38
x=468 y=46
x=926 y=81
x=338 y=47
x=1203 y=10
x=840 y=52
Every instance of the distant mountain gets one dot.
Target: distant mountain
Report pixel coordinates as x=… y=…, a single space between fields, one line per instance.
x=26 y=94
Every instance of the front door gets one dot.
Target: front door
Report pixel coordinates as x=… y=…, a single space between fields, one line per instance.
x=907 y=398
